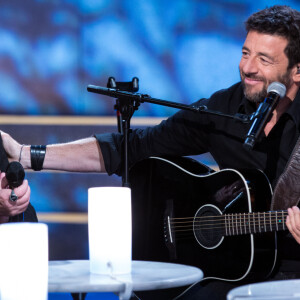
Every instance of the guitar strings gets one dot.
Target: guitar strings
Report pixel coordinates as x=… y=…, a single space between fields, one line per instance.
x=227 y=222
x=222 y=227
x=232 y=218
x=230 y=224
x=189 y=232
x=256 y=214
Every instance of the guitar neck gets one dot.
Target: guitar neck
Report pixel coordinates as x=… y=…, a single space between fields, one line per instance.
x=258 y=222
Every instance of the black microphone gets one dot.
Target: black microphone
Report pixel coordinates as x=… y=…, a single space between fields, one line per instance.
x=276 y=91
x=15 y=175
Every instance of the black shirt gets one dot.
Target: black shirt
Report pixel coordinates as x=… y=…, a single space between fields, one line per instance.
x=190 y=133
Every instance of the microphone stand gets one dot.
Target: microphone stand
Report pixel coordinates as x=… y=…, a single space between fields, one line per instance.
x=127 y=109
x=131 y=86
x=129 y=102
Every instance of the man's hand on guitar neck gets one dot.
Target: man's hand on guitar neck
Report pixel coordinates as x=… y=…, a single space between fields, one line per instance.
x=293 y=222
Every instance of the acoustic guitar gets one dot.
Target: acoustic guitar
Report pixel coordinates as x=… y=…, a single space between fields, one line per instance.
x=185 y=212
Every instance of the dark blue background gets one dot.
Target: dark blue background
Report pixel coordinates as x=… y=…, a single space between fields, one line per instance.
x=181 y=50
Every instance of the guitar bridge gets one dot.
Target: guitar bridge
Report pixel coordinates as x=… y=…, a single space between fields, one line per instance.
x=169 y=233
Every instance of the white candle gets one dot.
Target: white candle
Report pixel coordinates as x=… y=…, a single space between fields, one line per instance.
x=109 y=219
x=24 y=261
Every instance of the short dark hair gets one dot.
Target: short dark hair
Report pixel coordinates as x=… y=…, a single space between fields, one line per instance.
x=279 y=20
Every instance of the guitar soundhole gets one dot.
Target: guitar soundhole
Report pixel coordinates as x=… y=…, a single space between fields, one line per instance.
x=207 y=226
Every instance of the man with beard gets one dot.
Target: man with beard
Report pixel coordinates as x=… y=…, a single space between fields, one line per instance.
x=271 y=52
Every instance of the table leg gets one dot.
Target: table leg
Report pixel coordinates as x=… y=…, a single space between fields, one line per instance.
x=78 y=296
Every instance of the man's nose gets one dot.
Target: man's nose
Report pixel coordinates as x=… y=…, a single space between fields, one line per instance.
x=249 y=66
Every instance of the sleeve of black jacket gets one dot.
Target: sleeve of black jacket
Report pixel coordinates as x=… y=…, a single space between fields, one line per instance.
x=182 y=134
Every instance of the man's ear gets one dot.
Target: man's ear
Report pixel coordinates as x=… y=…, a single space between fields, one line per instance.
x=296 y=76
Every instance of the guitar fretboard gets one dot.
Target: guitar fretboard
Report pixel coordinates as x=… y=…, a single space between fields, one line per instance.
x=258 y=222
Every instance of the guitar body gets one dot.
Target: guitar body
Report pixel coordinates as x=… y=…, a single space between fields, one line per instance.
x=176 y=189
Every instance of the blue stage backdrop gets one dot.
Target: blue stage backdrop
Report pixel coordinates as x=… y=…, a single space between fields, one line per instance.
x=180 y=50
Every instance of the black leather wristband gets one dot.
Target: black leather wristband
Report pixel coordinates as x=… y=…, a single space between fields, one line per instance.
x=37 y=155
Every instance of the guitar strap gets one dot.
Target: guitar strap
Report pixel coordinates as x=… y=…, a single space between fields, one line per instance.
x=287 y=190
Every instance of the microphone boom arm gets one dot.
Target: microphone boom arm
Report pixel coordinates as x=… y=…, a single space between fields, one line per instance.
x=128 y=102
x=141 y=98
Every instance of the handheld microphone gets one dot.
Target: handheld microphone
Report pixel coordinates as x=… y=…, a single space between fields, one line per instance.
x=276 y=91
x=15 y=175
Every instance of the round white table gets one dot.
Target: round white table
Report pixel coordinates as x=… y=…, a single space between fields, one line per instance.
x=73 y=276
x=279 y=290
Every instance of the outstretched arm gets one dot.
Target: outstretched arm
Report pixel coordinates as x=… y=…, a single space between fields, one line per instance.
x=78 y=156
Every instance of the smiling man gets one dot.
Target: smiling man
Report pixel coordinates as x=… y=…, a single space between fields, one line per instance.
x=263 y=62
x=271 y=52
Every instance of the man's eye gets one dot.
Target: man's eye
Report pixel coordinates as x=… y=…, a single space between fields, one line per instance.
x=264 y=61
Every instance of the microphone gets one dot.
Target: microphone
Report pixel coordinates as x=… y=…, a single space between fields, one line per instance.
x=15 y=175
x=276 y=91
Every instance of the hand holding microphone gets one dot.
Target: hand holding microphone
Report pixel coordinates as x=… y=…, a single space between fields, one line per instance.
x=15 y=175
x=14 y=192
x=276 y=91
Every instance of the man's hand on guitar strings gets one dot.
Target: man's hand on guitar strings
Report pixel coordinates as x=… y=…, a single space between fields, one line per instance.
x=293 y=222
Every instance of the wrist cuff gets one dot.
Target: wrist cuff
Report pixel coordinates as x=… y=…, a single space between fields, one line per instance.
x=37 y=155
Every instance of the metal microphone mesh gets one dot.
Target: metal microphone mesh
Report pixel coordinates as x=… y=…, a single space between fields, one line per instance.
x=278 y=88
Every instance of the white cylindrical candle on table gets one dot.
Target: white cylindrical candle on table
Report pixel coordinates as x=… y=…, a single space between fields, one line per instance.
x=109 y=222
x=24 y=261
